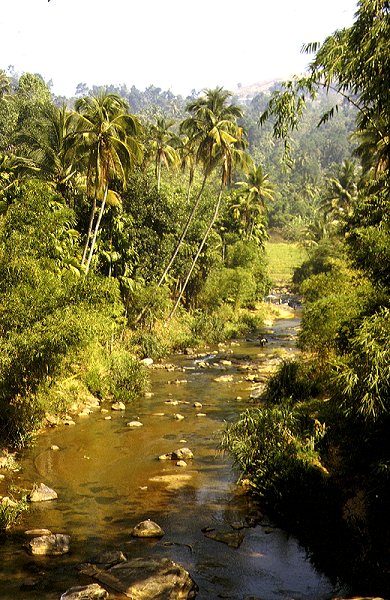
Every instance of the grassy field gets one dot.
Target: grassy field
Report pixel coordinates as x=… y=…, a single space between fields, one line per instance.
x=282 y=258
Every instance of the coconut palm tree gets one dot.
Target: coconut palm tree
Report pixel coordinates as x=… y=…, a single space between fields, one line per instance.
x=252 y=196
x=4 y=83
x=162 y=140
x=50 y=144
x=12 y=170
x=107 y=133
x=209 y=132
x=373 y=149
x=342 y=189
x=220 y=144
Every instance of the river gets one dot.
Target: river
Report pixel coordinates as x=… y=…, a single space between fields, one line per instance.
x=108 y=478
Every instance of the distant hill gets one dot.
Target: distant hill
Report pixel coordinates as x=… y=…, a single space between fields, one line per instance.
x=249 y=91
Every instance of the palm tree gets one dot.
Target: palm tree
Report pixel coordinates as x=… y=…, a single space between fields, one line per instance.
x=373 y=149
x=251 y=205
x=50 y=144
x=187 y=160
x=342 y=189
x=209 y=132
x=162 y=139
x=4 y=83
x=220 y=142
x=108 y=135
x=12 y=170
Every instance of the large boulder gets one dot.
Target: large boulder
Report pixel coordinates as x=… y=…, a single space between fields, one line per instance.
x=49 y=545
x=146 y=579
x=86 y=592
x=42 y=493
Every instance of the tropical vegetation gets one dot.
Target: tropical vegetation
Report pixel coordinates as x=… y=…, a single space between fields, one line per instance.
x=315 y=450
x=133 y=224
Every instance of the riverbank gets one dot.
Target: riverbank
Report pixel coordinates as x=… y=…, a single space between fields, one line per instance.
x=108 y=478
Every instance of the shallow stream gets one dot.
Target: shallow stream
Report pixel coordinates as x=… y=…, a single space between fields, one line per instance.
x=108 y=478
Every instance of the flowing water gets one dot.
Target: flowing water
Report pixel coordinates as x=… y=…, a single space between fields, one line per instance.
x=108 y=478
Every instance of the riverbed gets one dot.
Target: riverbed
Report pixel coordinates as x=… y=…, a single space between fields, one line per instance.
x=108 y=477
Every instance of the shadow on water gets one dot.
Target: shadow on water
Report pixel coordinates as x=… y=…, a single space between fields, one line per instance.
x=108 y=478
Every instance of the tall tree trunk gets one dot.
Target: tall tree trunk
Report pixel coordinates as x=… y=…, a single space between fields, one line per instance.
x=184 y=233
x=158 y=173
x=213 y=219
x=179 y=243
x=91 y=219
x=96 y=230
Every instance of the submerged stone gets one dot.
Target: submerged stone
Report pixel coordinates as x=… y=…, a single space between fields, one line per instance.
x=42 y=493
x=86 y=592
x=147 y=529
x=37 y=532
x=49 y=545
x=233 y=539
x=146 y=579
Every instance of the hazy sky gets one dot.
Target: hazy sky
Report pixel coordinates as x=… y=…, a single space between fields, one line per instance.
x=173 y=44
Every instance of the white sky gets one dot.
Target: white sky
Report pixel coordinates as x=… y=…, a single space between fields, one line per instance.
x=173 y=44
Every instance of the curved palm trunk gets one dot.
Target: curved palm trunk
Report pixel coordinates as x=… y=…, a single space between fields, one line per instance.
x=96 y=230
x=213 y=219
x=91 y=219
x=158 y=173
x=184 y=233
x=179 y=243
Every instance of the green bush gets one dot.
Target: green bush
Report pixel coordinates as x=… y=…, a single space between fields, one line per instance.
x=145 y=304
x=148 y=344
x=20 y=417
x=280 y=462
x=361 y=378
x=48 y=312
x=128 y=377
x=294 y=380
x=10 y=511
x=208 y=327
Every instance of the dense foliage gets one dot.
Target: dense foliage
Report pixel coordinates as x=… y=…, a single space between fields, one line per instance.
x=135 y=222
x=318 y=444
x=111 y=224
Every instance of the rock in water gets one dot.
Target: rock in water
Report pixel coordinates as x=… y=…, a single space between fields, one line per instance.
x=118 y=406
x=147 y=529
x=49 y=545
x=42 y=493
x=233 y=539
x=85 y=592
x=182 y=454
x=146 y=579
